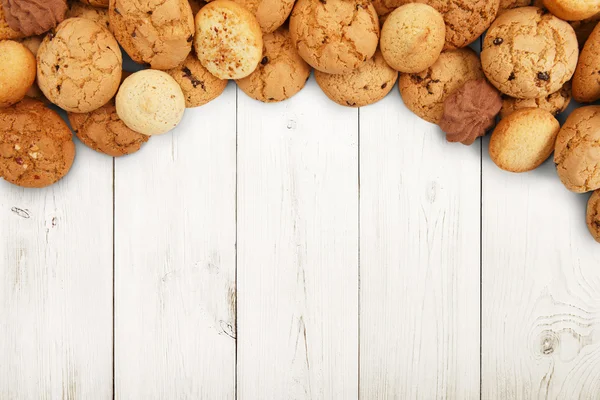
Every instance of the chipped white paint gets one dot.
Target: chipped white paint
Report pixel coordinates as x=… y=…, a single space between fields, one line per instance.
x=175 y=261
x=298 y=267
x=56 y=285
x=297 y=249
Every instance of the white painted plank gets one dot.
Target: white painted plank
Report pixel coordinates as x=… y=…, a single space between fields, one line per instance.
x=541 y=289
x=175 y=261
x=56 y=285
x=297 y=248
x=419 y=264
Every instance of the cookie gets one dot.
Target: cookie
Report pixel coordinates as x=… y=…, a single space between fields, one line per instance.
x=424 y=93
x=33 y=44
x=198 y=85
x=36 y=145
x=524 y=140
x=367 y=84
x=577 y=154
x=17 y=72
x=583 y=29
x=103 y=131
x=6 y=32
x=465 y=20
x=334 y=36
x=270 y=14
x=586 y=81
x=228 y=40
x=150 y=102
x=81 y=10
x=79 y=66
x=281 y=73
x=528 y=53
x=158 y=34
x=573 y=10
x=34 y=17
x=593 y=215
x=384 y=7
x=555 y=103
x=96 y=3
x=508 y=4
x=412 y=37
x=470 y=111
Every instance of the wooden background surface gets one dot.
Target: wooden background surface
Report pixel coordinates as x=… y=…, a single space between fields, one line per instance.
x=299 y=250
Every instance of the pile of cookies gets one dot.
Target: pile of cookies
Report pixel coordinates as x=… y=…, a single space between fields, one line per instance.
x=536 y=55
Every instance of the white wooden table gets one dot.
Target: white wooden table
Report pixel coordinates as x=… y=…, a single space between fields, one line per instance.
x=299 y=250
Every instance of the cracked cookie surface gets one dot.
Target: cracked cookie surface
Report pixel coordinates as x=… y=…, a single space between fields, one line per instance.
x=81 y=10
x=198 y=85
x=424 y=93
x=465 y=20
x=334 y=36
x=17 y=72
x=36 y=145
x=228 y=40
x=593 y=215
x=281 y=72
x=555 y=103
x=529 y=53
x=154 y=32
x=79 y=66
x=367 y=84
x=103 y=131
x=577 y=152
x=523 y=140
x=270 y=14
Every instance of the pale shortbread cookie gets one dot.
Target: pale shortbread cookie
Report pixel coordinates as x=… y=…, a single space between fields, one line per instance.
x=228 y=40
x=586 y=81
x=367 y=84
x=524 y=140
x=281 y=73
x=529 y=53
x=79 y=66
x=17 y=72
x=335 y=36
x=150 y=102
x=413 y=37
x=573 y=10
x=577 y=154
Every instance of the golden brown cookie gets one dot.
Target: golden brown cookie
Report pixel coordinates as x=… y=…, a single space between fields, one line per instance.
x=583 y=29
x=555 y=103
x=465 y=20
x=6 y=32
x=79 y=66
x=367 y=84
x=198 y=85
x=586 y=81
x=528 y=53
x=523 y=140
x=228 y=40
x=573 y=10
x=17 y=72
x=508 y=4
x=96 y=3
x=34 y=17
x=33 y=44
x=159 y=34
x=334 y=36
x=103 y=131
x=577 y=154
x=593 y=215
x=412 y=37
x=270 y=14
x=281 y=73
x=384 y=7
x=424 y=93
x=81 y=10
x=36 y=145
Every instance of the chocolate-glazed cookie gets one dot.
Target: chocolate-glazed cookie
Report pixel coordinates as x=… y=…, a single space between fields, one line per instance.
x=36 y=145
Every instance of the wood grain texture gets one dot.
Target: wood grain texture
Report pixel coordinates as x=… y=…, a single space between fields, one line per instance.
x=175 y=261
x=541 y=289
x=419 y=264
x=297 y=248
x=56 y=285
